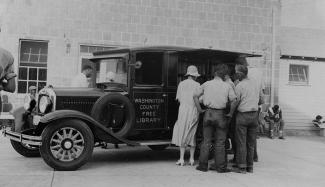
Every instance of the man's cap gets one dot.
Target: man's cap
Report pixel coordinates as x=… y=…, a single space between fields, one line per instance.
x=32 y=88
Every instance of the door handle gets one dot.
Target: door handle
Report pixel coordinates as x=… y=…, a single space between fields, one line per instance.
x=164 y=95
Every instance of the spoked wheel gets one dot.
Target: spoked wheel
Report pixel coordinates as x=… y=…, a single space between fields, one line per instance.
x=25 y=149
x=67 y=145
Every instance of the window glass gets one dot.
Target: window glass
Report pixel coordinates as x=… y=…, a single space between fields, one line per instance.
x=22 y=86
x=172 y=70
x=150 y=71
x=32 y=74
x=111 y=70
x=32 y=64
x=91 y=49
x=22 y=73
x=298 y=74
x=31 y=51
x=42 y=74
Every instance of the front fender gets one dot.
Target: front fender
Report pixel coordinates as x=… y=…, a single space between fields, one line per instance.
x=73 y=114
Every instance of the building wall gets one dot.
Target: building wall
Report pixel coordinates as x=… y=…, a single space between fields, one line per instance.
x=302 y=34
x=301 y=103
x=240 y=25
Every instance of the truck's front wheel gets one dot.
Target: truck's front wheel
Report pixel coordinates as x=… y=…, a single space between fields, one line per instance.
x=67 y=144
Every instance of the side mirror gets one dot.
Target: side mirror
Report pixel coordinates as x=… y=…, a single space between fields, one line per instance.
x=138 y=64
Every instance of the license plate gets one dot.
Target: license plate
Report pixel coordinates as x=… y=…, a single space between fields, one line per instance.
x=36 y=119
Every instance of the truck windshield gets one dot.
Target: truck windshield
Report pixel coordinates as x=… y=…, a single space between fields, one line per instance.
x=112 y=70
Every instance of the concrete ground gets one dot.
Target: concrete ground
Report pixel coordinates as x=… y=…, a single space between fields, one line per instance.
x=296 y=161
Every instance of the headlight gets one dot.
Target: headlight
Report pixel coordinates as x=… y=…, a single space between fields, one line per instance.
x=45 y=104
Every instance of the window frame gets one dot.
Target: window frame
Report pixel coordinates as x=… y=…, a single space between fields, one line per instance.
x=88 y=54
x=306 y=74
x=162 y=84
x=126 y=68
x=31 y=65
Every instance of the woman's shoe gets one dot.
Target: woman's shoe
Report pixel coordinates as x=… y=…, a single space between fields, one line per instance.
x=192 y=162
x=180 y=162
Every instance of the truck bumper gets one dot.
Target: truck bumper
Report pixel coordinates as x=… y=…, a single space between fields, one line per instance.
x=22 y=138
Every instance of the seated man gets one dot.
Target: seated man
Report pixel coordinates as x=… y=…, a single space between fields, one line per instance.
x=21 y=113
x=318 y=122
x=274 y=117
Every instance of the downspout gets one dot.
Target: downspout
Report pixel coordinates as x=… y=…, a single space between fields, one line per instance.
x=273 y=57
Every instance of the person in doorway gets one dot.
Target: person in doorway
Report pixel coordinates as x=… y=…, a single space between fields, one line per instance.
x=274 y=117
x=249 y=96
x=215 y=94
x=187 y=121
x=81 y=80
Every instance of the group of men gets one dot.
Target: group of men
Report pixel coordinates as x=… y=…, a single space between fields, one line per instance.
x=244 y=99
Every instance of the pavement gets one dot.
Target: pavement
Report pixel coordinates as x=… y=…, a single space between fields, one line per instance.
x=296 y=161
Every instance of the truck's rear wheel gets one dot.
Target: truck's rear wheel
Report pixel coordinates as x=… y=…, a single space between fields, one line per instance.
x=25 y=149
x=67 y=144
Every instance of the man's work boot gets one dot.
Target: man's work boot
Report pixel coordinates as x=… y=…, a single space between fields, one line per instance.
x=271 y=134
x=202 y=168
x=281 y=135
x=239 y=170
x=249 y=169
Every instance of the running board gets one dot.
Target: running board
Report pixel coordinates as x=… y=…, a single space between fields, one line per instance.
x=155 y=142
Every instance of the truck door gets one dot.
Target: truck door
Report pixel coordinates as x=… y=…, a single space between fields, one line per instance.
x=172 y=82
x=149 y=90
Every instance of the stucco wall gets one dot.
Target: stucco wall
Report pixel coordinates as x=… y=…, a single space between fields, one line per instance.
x=302 y=34
x=301 y=103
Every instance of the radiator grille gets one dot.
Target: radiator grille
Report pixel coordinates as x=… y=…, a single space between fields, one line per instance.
x=81 y=104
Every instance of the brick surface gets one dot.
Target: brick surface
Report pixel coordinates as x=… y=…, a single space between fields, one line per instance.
x=240 y=25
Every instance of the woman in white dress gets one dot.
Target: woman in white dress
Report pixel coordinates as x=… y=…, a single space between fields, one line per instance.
x=186 y=124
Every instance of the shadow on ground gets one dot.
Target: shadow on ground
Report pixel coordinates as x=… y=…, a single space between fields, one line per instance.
x=133 y=154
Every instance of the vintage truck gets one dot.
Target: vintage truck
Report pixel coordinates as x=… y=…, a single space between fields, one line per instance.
x=131 y=101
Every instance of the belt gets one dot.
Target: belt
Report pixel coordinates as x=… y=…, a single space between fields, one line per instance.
x=247 y=112
x=215 y=108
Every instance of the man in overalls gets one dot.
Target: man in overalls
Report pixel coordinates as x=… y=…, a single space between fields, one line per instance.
x=274 y=117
